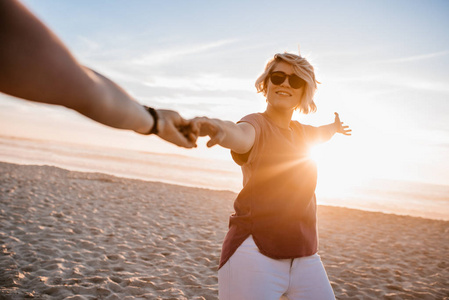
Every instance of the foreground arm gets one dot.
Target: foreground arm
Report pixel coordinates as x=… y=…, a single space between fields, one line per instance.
x=35 y=65
x=237 y=137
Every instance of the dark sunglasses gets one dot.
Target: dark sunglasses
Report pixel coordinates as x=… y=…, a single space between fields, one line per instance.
x=277 y=78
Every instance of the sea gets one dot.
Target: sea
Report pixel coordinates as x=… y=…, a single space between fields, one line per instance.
x=384 y=195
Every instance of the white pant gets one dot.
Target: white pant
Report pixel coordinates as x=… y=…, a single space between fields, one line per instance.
x=248 y=275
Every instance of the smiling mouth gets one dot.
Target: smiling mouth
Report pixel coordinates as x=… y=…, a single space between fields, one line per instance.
x=283 y=93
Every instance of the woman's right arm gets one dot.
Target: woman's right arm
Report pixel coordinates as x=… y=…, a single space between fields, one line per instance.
x=238 y=137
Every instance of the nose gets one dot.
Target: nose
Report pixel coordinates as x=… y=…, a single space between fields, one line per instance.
x=285 y=82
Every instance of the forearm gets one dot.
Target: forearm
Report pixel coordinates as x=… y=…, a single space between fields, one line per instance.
x=326 y=132
x=237 y=137
x=104 y=101
x=234 y=136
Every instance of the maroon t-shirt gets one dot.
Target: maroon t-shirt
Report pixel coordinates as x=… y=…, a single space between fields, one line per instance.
x=277 y=204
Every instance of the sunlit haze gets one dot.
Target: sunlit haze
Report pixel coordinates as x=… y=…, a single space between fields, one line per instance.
x=383 y=65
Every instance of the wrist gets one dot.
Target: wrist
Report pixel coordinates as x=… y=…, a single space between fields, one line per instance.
x=336 y=126
x=155 y=116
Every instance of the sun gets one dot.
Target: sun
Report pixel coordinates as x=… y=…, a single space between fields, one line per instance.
x=338 y=169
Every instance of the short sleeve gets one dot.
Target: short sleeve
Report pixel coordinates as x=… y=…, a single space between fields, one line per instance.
x=255 y=121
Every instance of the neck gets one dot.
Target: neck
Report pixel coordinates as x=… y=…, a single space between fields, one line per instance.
x=280 y=118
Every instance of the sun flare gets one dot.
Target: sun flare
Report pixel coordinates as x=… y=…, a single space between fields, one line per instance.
x=338 y=169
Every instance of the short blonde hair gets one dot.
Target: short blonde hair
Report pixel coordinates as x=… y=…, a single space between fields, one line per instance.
x=303 y=69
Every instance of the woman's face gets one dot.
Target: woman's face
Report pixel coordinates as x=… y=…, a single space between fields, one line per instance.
x=283 y=96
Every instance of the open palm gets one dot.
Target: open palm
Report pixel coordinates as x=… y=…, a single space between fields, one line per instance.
x=343 y=129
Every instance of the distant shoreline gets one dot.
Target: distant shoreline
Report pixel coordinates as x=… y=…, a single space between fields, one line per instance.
x=212 y=189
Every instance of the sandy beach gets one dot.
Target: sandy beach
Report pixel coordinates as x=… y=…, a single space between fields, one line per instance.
x=72 y=235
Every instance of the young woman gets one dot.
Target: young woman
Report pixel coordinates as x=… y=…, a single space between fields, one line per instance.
x=271 y=247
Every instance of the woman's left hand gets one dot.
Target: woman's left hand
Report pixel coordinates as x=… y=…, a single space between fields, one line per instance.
x=343 y=129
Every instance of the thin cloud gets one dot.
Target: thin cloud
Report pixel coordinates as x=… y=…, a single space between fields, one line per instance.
x=397 y=81
x=169 y=55
x=414 y=58
x=205 y=82
x=359 y=52
x=88 y=45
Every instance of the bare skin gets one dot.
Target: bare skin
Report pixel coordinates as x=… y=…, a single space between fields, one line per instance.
x=35 y=65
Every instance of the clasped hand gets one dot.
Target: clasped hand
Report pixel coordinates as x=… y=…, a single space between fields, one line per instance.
x=184 y=133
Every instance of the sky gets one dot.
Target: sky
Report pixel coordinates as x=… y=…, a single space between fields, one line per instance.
x=383 y=66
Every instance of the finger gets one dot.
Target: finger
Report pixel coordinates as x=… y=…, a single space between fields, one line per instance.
x=188 y=133
x=192 y=137
x=185 y=131
x=195 y=126
x=216 y=139
x=213 y=141
x=199 y=124
x=189 y=129
x=182 y=141
x=179 y=138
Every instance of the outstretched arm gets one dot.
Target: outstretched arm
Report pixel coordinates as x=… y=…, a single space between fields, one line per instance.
x=237 y=137
x=35 y=65
x=326 y=132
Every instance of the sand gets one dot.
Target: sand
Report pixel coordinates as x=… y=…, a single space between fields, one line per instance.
x=72 y=235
